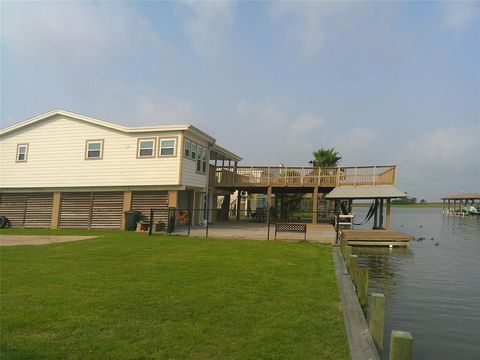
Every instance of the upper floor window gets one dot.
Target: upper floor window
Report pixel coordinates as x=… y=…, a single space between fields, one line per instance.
x=22 y=152
x=193 y=153
x=187 y=148
x=146 y=147
x=202 y=159
x=94 y=149
x=167 y=147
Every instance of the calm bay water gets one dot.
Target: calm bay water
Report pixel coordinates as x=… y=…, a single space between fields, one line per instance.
x=431 y=291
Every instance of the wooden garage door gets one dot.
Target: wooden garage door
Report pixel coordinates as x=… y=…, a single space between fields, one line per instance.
x=32 y=210
x=145 y=200
x=38 y=213
x=107 y=210
x=98 y=210
x=75 y=209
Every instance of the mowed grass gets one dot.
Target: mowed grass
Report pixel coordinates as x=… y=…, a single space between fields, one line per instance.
x=127 y=296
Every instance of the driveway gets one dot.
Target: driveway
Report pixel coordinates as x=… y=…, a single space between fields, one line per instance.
x=12 y=240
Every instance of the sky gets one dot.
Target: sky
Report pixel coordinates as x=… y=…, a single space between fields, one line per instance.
x=381 y=82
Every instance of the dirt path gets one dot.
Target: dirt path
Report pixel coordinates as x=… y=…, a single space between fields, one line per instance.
x=12 y=240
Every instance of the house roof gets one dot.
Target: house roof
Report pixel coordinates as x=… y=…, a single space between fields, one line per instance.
x=464 y=196
x=366 y=192
x=121 y=128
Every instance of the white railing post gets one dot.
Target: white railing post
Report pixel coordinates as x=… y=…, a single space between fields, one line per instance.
x=374 y=175
x=355 y=177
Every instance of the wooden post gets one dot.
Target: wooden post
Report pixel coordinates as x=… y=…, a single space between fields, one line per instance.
x=354 y=268
x=343 y=246
x=269 y=197
x=375 y=217
x=380 y=220
x=387 y=213
x=239 y=201
x=235 y=171
x=348 y=252
x=376 y=314
x=315 y=205
x=54 y=221
x=362 y=287
x=401 y=345
x=127 y=205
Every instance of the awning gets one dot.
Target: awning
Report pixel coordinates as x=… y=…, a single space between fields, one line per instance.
x=470 y=196
x=366 y=192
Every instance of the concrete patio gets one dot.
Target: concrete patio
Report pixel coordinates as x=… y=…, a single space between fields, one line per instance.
x=320 y=233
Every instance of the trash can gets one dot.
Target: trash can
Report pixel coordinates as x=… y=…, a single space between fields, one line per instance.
x=131 y=218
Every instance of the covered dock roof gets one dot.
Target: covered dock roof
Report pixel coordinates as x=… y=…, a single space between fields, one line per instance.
x=463 y=196
x=366 y=192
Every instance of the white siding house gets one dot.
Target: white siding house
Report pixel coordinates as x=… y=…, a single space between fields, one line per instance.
x=61 y=169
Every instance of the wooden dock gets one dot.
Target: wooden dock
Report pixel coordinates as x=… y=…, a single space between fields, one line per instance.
x=375 y=237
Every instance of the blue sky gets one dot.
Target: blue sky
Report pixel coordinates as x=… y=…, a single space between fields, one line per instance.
x=382 y=82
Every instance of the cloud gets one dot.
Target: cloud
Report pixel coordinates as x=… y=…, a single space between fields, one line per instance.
x=78 y=32
x=289 y=135
x=358 y=146
x=208 y=26
x=305 y=23
x=441 y=162
x=460 y=16
x=446 y=148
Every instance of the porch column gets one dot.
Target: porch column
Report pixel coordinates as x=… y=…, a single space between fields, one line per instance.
x=56 y=211
x=269 y=197
x=315 y=205
x=380 y=221
x=173 y=198
x=127 y=205
x=239 y=201
x=387 y=220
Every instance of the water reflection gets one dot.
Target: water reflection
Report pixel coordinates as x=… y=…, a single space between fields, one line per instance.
x=431 y=291
x=383 y=266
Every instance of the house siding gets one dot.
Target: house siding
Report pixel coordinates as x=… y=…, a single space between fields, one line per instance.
x=56 y=157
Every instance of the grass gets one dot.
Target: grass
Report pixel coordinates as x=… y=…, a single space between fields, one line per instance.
x=127 y=296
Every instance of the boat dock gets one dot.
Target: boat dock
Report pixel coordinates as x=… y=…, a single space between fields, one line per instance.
x=377 y=237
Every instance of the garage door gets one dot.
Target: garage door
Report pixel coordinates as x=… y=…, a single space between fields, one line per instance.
x=145 y=200
x=32 y=210
x=107 y=210
x=97 y=210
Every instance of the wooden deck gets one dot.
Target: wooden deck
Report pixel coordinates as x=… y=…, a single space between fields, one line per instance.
x=275 y=176
x=376 y=237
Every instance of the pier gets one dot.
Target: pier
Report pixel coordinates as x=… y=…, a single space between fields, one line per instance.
x=380 y=237
x=456 y=204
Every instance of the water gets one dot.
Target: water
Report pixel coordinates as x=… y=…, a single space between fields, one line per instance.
x=431 y=291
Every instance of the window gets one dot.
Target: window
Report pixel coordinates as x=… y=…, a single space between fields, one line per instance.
x=194 y=150
x=146 y=148
x=187 y=148
x=199 y=158
x=167 y=147
x=94 y=149
x=22 y=152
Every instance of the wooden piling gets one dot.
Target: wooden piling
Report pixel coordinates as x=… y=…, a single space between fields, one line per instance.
x=401 y=345
x=362 y=287
x=348 y=252
x=376 y=313
x=343 y=245
x=354 y=268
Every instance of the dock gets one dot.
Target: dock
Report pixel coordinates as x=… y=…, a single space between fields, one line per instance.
x=375 y=237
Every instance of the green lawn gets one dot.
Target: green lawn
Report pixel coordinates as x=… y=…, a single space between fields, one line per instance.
x=127 y=296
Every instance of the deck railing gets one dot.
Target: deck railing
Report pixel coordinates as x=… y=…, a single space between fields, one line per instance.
x=263 y=176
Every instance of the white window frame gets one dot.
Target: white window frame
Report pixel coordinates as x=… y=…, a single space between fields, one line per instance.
x=25 y=153
x=193 y=154
x=139 y=147
x=187 y=148
x=174 y=147
x=87 y=150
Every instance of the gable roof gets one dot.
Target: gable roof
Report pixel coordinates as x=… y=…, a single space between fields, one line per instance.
x=103 y=123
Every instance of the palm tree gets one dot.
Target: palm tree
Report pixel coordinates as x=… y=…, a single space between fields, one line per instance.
x=325 y=158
